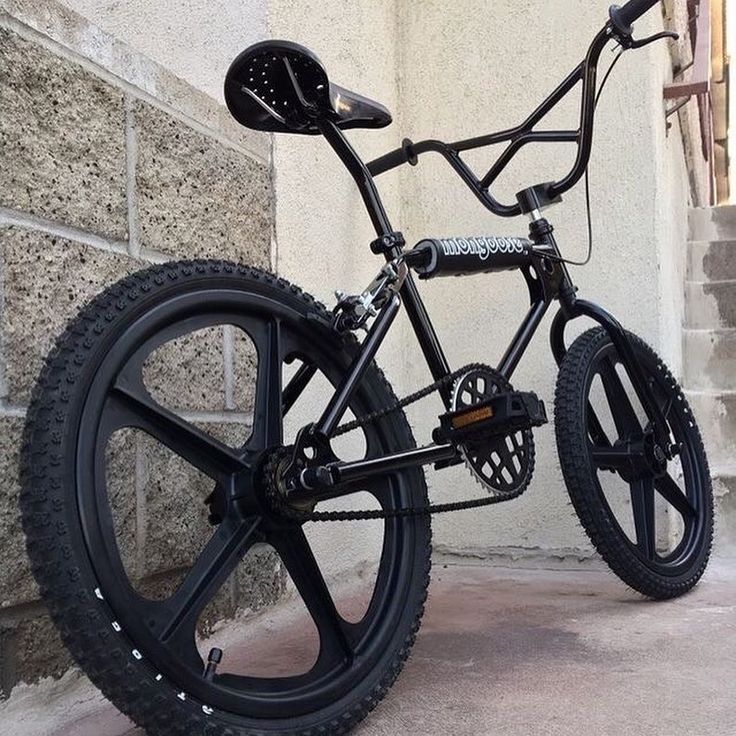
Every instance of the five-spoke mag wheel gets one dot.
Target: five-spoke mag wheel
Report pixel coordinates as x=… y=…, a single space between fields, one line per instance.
x=145 y=651
x=650 y=517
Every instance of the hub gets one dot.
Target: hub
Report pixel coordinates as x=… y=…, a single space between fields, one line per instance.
x=646 y=458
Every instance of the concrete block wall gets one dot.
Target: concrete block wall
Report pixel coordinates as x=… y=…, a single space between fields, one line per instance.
x=108 y=164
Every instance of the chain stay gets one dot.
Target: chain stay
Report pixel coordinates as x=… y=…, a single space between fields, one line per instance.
x=366 y=515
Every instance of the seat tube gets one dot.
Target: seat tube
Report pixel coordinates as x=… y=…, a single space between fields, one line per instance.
x=339 y=403
x=362 y=177
x=427 y=337
x=415 y=308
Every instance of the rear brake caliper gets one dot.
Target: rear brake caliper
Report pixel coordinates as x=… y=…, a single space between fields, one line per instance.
x=353 y=311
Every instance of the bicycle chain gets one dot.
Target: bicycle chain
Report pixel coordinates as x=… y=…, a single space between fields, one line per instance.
x=280 y=501
x=410 y=399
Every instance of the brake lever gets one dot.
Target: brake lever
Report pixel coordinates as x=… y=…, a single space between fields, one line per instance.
x=631 y=43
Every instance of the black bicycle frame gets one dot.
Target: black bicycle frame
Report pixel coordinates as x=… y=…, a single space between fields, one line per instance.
x=550 y=280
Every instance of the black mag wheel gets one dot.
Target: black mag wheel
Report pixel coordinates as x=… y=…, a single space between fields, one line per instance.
x=142 y=651
x=650 y=519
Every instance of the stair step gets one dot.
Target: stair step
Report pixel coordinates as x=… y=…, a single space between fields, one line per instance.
x=713 y=260
x=715 y=413
x=709 y=359
x=710 y=305
x=713 y=223
x=724 y=491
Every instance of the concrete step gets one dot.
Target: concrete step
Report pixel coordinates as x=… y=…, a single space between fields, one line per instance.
x=715 y=413
x=713 y=223
x=724 y=490
x=709 y=359
x=710 y=305
x=712 y=260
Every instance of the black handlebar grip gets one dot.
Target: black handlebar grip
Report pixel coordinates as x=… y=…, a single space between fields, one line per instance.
x=392 y=159
x=632 y=11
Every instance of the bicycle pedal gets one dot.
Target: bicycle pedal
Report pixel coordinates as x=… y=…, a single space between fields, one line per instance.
x=501 y=414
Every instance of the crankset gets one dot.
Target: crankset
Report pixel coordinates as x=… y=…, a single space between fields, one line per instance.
x=492 y=424
x=489 y=425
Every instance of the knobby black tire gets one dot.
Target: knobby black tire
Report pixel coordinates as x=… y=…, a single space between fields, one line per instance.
x=571 y=431
x=60 y=560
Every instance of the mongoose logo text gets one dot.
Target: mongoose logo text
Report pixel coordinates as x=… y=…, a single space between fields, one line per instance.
x=483 y=247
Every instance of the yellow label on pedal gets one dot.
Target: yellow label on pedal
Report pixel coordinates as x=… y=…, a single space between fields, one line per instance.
x=471 y=417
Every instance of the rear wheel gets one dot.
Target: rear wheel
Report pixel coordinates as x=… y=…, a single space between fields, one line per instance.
x=651 y=520
x=145 y=651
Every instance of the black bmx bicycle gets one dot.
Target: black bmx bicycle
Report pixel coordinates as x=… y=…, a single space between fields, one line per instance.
x=629 y=448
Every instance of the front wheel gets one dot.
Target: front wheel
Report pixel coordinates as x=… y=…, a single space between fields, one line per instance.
x=650 y=520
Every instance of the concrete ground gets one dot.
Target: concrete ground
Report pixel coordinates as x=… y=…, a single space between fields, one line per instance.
x=523 y=652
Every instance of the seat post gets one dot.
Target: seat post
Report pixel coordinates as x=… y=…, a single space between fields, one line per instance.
x=359 y=171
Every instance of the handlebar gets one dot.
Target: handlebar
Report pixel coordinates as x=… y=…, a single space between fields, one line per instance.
x=404 y=155
x=619 y=28
x=630 y=13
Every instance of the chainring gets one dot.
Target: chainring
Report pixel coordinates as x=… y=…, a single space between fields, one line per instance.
x=503 y=464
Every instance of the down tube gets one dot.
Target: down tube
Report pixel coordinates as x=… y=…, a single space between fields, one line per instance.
x=522 y=338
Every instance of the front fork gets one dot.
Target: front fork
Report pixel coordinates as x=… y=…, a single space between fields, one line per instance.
x=553 y=282
x=575 y=308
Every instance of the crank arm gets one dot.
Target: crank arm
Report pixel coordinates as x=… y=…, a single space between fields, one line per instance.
x=343 y=478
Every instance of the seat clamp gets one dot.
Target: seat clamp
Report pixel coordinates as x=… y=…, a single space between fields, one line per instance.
x=388 y=242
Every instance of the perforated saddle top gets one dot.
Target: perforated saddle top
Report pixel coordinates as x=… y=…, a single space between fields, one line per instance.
x=282 y=87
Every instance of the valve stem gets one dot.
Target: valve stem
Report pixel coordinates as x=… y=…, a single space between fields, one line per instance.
x=214 y=658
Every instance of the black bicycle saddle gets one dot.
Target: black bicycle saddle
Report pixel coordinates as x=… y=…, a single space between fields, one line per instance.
x=282 y=87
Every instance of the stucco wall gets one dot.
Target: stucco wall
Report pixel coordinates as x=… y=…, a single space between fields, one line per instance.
x=454 y=80
x=484 y=70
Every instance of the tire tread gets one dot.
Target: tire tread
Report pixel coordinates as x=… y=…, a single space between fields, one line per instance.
x=574 y=460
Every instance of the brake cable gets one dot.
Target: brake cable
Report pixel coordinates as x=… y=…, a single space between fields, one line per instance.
x=560 y=259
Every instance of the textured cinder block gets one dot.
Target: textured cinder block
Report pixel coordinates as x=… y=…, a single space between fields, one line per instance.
x=160 y=587
x=713 y=223
x=197 y=197
x=260 y=579
x=709 y=359
x=712 y=261
x=31 y=649
x=710 y=305
x=62 y=140
x=176 y=514
x=221 y=608
x=245 y=370
x=47 y=279
x=715 y=413
x=120 y=477
x=188 y=373
x=16 y=581
x=177 y=530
